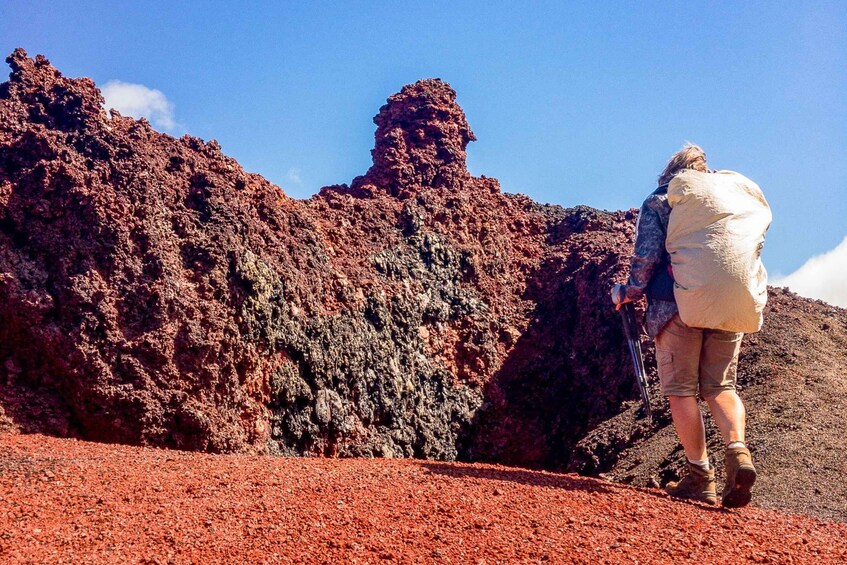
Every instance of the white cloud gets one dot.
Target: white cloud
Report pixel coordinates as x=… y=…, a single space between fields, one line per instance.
x=138 y=101
x=293 y=176
x=823 y=276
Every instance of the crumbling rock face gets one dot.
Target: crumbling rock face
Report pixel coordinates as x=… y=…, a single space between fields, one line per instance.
x=116 y=295
x=153 y=292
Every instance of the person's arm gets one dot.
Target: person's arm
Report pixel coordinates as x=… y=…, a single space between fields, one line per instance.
x=649 y=249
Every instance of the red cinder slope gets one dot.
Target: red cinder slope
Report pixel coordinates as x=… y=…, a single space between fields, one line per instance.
x=66 y=501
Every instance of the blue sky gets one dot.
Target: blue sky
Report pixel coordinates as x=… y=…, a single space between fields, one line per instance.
x=572 y=103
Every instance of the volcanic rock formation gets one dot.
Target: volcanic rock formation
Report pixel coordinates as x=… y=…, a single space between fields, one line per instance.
x=153 y=292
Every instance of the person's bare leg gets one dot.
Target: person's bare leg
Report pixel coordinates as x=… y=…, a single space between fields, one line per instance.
x=689 y=426
x=729 y=414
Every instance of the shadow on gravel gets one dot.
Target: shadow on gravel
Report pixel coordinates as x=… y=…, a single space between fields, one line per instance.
x=521 y=476
x=546 y=479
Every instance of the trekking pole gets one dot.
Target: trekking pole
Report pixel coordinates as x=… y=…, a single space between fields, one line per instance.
x=633 y=338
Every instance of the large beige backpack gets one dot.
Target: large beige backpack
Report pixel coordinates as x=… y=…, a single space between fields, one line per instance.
x=715 y=236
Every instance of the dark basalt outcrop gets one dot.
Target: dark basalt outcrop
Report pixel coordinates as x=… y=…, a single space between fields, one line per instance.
x=153 y=292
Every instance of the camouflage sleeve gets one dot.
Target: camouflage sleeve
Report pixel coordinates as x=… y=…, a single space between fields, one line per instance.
x=650 y=231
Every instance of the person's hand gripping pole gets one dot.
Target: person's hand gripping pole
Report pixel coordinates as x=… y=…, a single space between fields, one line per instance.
x=619 y=297
x=625 y=306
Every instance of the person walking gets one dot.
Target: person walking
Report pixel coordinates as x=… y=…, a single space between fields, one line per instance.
x=697 y=259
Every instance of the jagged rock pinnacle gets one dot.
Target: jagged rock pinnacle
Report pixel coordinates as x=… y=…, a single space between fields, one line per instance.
x=421 y=138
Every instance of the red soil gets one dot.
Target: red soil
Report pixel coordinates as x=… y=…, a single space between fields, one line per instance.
x=67 y=501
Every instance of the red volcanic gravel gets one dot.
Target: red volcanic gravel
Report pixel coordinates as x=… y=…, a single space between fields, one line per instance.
x=67 y=501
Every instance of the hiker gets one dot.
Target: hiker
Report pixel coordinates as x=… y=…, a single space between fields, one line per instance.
x=697 y=259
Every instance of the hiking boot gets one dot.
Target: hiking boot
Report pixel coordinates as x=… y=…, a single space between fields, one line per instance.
x=740 y=476
x=698 y=484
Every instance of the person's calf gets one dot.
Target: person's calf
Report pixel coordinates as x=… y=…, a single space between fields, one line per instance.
x=688 y=422
x=729 y=414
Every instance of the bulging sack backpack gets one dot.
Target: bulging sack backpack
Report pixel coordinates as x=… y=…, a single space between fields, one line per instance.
x=715 y=236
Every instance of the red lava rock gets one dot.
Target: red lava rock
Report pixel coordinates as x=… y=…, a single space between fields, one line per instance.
x=285 y=510
x=421 y=138
x=152 y=292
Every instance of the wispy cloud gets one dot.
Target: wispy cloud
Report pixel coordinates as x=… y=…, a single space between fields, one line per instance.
x=823 y=276
x=138 y=101
x=293 y=176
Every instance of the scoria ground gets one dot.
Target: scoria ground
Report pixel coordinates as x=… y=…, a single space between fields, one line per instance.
x=65 y=501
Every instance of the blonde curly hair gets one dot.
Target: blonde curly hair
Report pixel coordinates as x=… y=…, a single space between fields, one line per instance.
x=689 y=157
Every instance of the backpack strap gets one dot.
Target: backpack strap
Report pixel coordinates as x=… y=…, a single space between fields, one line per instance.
x=660 y=286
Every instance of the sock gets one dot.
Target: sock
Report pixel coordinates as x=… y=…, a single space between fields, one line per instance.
x=702 y=463
x=734 y=444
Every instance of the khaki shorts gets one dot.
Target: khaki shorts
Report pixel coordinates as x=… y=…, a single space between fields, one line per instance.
x=692 y=358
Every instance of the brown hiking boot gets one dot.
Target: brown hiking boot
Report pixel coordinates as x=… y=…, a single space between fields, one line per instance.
x=698 y=485
x=740 y=476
